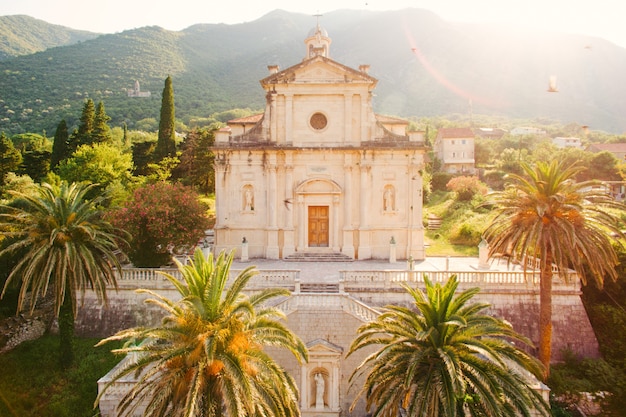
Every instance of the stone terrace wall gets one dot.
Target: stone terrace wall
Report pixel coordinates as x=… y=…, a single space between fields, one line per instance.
x=513 y=296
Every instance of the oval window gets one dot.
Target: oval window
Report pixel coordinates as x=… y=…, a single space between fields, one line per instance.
x=318 y=121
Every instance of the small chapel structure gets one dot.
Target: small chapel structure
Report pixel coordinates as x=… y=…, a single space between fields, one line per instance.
x=318 y=170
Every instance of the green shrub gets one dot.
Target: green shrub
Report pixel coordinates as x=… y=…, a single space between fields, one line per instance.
x=467 y=233
x=439 y=181
x=466 y=187
x=32 y=384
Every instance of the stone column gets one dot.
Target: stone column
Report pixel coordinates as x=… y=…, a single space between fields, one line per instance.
x=289 y=209
x=415 y=244
x=272 y=251
x=348 y=238
x=301 y=223
x=288 y=118
x=273 y=119
x=220 y=193
x=365 y=249
x=334 y=233
x=347 y=98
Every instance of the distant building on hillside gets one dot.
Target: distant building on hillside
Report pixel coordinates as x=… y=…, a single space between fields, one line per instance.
x=527 y=131
x=567 y=142
x=489 y=132
x=455 y=149
x=136 y=91
x=617 y=149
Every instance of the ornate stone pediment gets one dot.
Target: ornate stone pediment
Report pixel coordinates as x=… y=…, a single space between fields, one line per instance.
x=318 y=70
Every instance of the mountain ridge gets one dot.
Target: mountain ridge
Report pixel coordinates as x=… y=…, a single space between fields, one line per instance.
x=425 y=65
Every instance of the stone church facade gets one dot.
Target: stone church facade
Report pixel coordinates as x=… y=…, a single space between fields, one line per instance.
x=319 y=171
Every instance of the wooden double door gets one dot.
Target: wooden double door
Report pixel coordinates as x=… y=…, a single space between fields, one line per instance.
x=318 y=226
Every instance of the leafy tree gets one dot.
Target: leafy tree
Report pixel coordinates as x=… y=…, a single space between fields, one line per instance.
x=142 y=156
x=483 y=154
x=35 y=151
x=60 y=149
x=101 y=164
x=603 y=166
x=466 y=187
x=63 y=245
x=101 y=131
x=510 y=160
x=15 y=183
x=35 y=163
x=161 y=218
x=547 y=216
x=162 y=170
x=196 y=160
x=10 y=158
x=445 y=357
x=166 y=144
x=207 y=357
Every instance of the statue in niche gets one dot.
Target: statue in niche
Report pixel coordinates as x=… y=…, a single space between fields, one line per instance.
x=388 y=199
x=248 y=197
x=319 y=391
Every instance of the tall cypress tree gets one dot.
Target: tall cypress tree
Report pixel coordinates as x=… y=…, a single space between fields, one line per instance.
x=101 y=131
x=85 y=128
x=166 y=144
x=60 y=150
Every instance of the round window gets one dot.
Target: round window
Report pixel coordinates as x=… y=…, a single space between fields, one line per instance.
x=318 y=121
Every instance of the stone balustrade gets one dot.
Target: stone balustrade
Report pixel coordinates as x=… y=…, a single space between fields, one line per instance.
x=152 y=278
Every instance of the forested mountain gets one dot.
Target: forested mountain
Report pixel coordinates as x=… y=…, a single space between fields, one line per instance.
x=24 y=35
x=425 y=67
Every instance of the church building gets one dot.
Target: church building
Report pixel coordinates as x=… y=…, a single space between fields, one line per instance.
x=318 y=170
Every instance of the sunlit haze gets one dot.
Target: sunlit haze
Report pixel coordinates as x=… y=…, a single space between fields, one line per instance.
x=601 y=18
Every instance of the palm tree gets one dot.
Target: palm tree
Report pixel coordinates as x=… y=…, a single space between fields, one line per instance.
x=64 y=246
x=207 y=358
x=444 y=357
x=548 y=216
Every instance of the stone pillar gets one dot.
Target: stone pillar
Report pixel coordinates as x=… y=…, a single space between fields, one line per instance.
x=347 y=98
x=415 y=244
x=348 y=234
x=289 y=208
x=273 y=119
x=365 y=249
x=334 y=232
x=272 y=251
x=301 y=222
x=392 y=250
x=288 y=118
x=483 y=255
x=220 y=194
x=365 y=128
x=244 y=250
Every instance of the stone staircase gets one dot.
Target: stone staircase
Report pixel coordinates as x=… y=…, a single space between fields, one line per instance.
x=318 y=257
x=323 y=288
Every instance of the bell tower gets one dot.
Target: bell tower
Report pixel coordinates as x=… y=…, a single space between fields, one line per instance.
x=318 y=42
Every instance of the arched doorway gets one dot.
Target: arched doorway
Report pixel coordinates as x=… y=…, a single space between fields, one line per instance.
x=318 y=214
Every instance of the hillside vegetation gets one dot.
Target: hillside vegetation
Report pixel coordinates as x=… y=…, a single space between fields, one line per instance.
x=425 y=67
x=24 y=35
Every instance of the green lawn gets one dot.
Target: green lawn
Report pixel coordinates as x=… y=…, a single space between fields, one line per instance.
x=32 y=384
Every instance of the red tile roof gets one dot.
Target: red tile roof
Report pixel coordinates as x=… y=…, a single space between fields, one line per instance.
x=611 y=147
x=391 y=120
x=247 y=120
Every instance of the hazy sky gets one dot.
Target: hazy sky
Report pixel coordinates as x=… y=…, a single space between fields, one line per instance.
x=602 y=18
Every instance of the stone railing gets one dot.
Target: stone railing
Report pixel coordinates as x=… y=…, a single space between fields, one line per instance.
x=151 y=278
x=383 y=280
x=328 y=301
